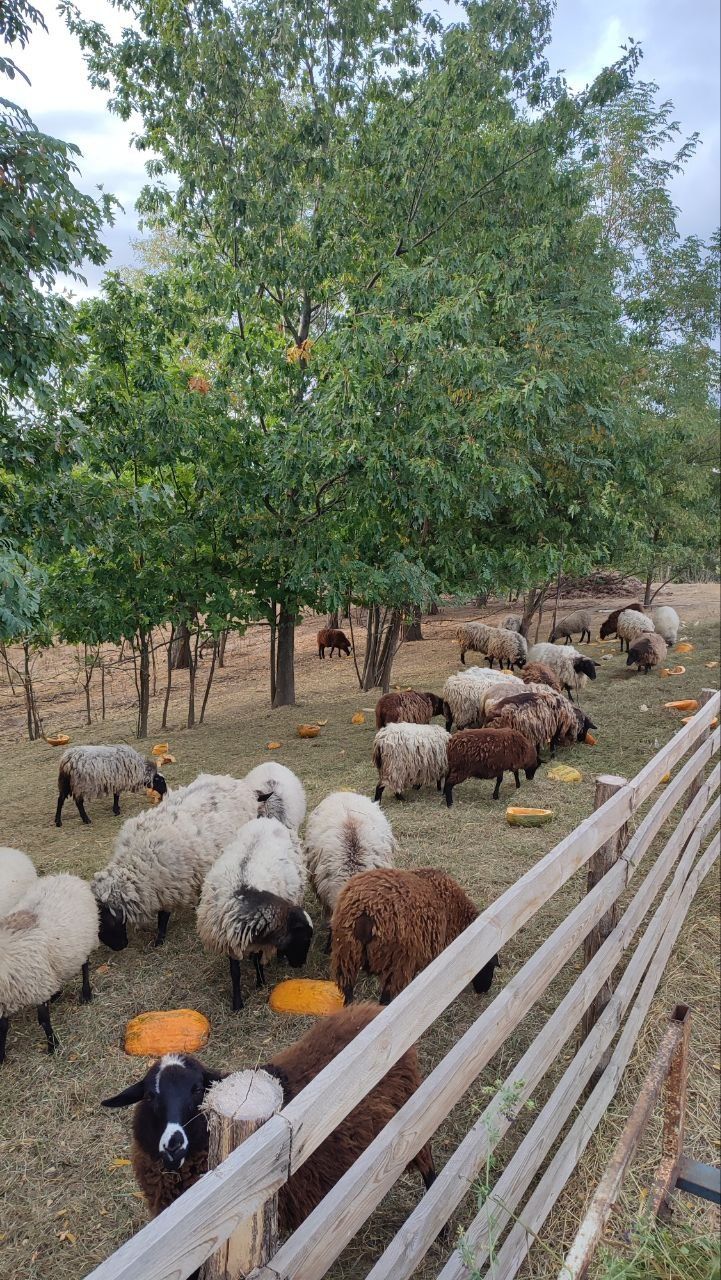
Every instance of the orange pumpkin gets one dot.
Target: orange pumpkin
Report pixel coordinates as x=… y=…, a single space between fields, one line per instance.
x=589 y=740
x=273 y=746
x=58 y=740
x=683 y=704
x=305 y=995
x=308 y=730
x=516 y=816
x=153 y=796
x=167 y=1031
x=684 y=648
x=160 y=748
x=674 y=671
x=358 y=718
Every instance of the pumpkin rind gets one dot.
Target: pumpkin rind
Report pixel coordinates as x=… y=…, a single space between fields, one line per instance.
x=519 y=817
x=683 y=704
x=308 y=730
x=166 y=1031
x=306 y=996
x=684 y=647
x=565 y=773
x=358 y=718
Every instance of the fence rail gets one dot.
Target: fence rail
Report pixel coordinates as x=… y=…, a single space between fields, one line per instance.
x=193 y=1228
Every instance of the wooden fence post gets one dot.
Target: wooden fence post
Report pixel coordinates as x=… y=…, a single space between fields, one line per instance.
x=235 y=1108
x=606 y=857
x=704 y=697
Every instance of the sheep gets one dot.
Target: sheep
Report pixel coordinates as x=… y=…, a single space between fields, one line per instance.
x=631 y=625
x=44 y=941
x=472 y=638
x=514 y=622
x=540 y=673
x=346 y=834
x=86 y=773
x=17 y=875
x=572 y=669
x=506 y=646
x=488 y=753
x=170 y=1136
x=464 y=694
x=408 y=707
x=647 y=651
x=251 y=901
x=284 y=793
x=409 y=755
x=393 y=923
x=542 y=717
x=608 y=628
x=581 y=620
x=161 y=856
x=667 y=622
x=333 y=638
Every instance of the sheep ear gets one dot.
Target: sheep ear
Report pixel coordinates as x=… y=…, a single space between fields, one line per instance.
x=133 y=1093
x=212 y=1077
x=596 y=664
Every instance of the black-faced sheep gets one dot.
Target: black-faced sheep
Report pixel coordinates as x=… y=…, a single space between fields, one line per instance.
x=392 y=924
x=280 y=793
x=409 y=755
x=251 y=901
x=162 y=856
x=540 y=673
x=170 y=1135
x=646 y=652
x=45 y=940
x=631 y=625
x=608 y=628
x=346 y=834
x=508 y=648
x=667 y=622
x=86 y=773
x=488 y=753
x=409 y=707
x=571 y=667
x=332 y=638
x=579 y=622
x=17 y=875
x=543 y=718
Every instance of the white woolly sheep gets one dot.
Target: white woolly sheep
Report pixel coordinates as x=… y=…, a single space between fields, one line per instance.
x=631 y=625
x=571 y=667
x=86 y=773
x=251 y=902
x=580 y=621
x=514 y=622
x=472 y=638
x=44 y=941
x=162 y=855
x=464 y=694
x=346 y=834
x=284 y=792
x=409 y=755
x=17 y=875
x=667 y=623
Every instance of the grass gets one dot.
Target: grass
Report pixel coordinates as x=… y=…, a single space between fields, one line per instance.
x=65 y=1201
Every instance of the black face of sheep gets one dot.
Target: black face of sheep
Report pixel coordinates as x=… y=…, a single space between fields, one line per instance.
x=295 y=944
x=482 y=981
x=437 y=704
x=169 y=1124
x=113 y=931
x=585 y=667
x=159 y=784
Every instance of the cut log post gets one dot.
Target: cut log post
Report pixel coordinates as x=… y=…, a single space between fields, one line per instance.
x=705 y=696
x=606 y=857
x=235 y=1108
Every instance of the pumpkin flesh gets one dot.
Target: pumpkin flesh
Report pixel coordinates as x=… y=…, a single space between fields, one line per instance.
x=166 y=1031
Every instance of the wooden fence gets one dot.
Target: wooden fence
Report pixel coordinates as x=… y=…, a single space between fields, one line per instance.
x=194 y=1228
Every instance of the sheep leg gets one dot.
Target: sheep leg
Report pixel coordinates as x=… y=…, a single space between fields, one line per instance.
x=44 y=1020
x=448 y=793
x=116 y=803
x=81 y=810
x=4 y=1024
x=463 y=657
x=63 y=793
x=400 y=795
x=237 y=1001
x=259 y=971
x=86 y=992
x=385 y=996
x=379 y=792
x=416 y=786
x=425 y=1166
x=439 y=784
x=497 y=788
x=163 y=918
x=518 y=780
x=449 y=724
x=328 y=942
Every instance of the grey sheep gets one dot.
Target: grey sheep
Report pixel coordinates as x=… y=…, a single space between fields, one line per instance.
x=566 y=628
x=86 y=773
x=646 y=652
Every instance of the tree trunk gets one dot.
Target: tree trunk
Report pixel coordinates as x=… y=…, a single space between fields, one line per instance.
x=143 y=684
x=221 y=649
x=479 y=602
x=33 y=719
x=87 y=677
x=373 y=631
x=412 y=629
x=383 y=638
x=433 y=609
x=273 y=646
x=555 y=603
x=169 y=677
x=333 y=620
x=648 y=593
x=192 y=671
x=388 y=652
x=211 y=673
x=102 y=688
x=4 y=654
x=180 y=648
x=285 y=666
x=533 y=600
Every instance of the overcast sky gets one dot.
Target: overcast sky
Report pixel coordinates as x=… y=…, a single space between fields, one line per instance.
x=680 y=40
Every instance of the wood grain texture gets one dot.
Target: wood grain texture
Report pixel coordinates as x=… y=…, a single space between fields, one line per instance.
x=705 y=696
x=603 y=859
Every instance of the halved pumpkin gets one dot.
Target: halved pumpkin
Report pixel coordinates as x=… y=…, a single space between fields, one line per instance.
x=358 y=718
x=58 y=740
x=711 y=664
x=517 y=816
x=674 y=671
x=589 y=740
x=565 y=773
x=308 y=730
x=685 y=647
x=683 y=704
x=273 y=746
x=160 y=748
x=305 y=995
x=153 y=796
x=664 y=780
x=687 y=719
x=166 y=1031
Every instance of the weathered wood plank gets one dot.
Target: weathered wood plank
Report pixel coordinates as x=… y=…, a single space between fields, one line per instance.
x=602 y=860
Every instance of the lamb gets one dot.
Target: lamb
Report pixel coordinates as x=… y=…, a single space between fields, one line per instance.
x=464 y=694
x=346 y=834
x=333 y=638
x=170 y=1136
x=608 y=628
x=647 y=651
x=506 y=646
x=514 y=622
x=409 y=755
x=283 y=792
x=581 y=620
x=488 y=753
x=86 y=773
x=17 y=876
x=540 y=673
x=251 y=901
x=408 y=707
x=393 y=923
x=542 y=717
x=667 y=623
x=572 y=669
x=631 y=625
x=162 y=855
x=44 y=941
x=472 y=638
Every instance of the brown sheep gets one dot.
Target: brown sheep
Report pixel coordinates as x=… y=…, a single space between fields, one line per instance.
x=608 y=628
x=169 y=1153
x=393 y=923
x=331 y=638
x=409 y=706
x=540 y=673
x=647 y=651
x=488 y=753
x=542 y=718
